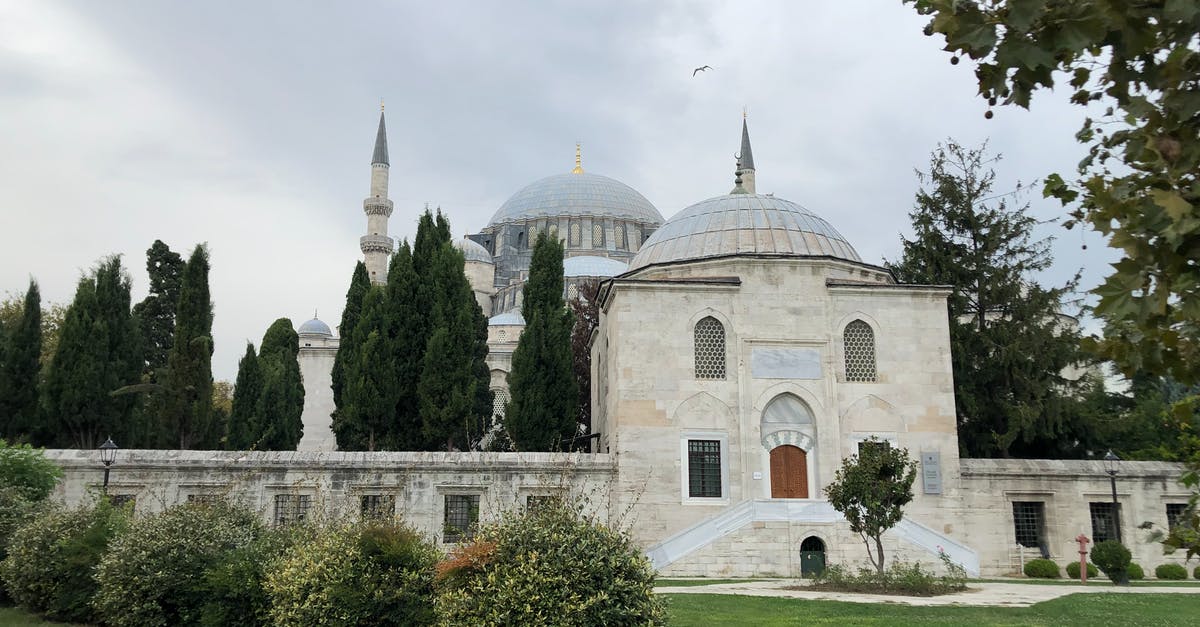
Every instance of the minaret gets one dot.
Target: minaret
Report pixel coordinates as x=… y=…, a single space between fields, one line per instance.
x=376 y=246
x=746 y=159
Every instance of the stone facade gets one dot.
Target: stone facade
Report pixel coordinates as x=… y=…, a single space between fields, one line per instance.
x=317 y=352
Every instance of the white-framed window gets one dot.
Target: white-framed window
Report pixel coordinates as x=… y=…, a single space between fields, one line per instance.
x=704 y=461
x=709 y=347
x=858 y=342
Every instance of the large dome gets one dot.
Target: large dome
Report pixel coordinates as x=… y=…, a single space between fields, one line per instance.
x=571 y=195
x=747 y=224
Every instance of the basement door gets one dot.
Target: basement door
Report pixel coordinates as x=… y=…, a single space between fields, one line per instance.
x=789 y=473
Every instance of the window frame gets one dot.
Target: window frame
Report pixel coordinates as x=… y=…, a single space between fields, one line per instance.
x=1094 y=509
x=846 y=356
x=297 y=511
x=369 y=506
x=458 y=534
x=1041 y=541
x=685 y=439
x=1180 y=510
x=724 y=375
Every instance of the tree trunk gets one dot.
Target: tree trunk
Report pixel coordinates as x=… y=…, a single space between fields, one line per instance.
x=879 y=550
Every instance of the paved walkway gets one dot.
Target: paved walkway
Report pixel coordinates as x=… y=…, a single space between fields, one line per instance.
x=987 y=594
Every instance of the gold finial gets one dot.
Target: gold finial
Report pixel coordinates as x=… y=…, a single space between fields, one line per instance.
x=381 y=105
x=578 y=160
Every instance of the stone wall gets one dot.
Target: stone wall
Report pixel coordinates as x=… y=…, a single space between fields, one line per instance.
x=335 y=482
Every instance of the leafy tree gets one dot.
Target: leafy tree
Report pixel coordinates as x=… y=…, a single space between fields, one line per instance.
x=1139 y=64
x=360 y=282
x=156 y=313
x=542 y=412
x=21 y=349
x=25 y=471
x=870 y=490
x=586 y=309
x=186 y=403
x=281 y=401
x=244 y=426
x=99 y=352
x=1009 y=344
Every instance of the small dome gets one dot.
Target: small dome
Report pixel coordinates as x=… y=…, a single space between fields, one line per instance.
x=473 y=250
x=588 y=265
x=315 y=327
x=749 y=224
x=508 y=318
x=577 y=195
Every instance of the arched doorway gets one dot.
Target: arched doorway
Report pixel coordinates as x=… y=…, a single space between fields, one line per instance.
x=812 y=557
x=789 y=472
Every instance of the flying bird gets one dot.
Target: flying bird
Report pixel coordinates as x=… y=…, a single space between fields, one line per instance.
x=703 y=68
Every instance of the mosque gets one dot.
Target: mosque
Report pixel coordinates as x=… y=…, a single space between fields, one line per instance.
x=744 y=349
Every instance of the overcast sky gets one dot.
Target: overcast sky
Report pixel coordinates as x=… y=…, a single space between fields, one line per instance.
x=249 y=126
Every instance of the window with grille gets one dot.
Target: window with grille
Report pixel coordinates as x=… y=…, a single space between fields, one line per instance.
x=619 y=236
x=534 y=502
x=572 y=292
x=291 y=508
x=710 y=349
x=1105 y=519
x=122 y=500
x=575 y=234
x=859 y=343
x=462 y=512
x=1175 y=512
x=1029 y=523
x=499 y=400
x=597 y=235
x=377 y=506
x=206 y=499
x=704 y=468
x=532 y=236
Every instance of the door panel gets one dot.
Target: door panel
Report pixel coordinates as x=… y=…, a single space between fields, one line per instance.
x=789 y=473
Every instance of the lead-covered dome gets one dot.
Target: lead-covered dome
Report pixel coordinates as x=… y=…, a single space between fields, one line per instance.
x=741 y=223
x=576 y=194
x=473 y=251
x=315 y=327
x=591 y=266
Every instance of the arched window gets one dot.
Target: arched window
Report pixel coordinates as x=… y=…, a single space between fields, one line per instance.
x=619 y=236
x=499 y=400
x=597 y=235
x=710 y=349
x=859 y=342
x=575 y=234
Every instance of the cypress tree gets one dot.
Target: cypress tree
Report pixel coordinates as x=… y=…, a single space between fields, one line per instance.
x=244 y=425
x=156 y=313
x=99 y=352
x=1008 y=347
x=186 y=403
x=542 y=412
x=360 y=282
x=408 y=317
x=19 y=369
x=370 y=385
x=281 y=401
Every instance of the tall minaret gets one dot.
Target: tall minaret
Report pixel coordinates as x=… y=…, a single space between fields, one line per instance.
x=376 y=245
x=746 y=159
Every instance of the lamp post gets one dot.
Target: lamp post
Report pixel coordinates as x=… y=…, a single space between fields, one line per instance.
x=108 y=455
x=1110 y=467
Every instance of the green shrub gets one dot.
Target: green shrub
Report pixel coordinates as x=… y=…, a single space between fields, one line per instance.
x=1196 y=573
x=153 y=574
x=1113 y=558
x=1135 y=572
x=1073 y=570
x=899 y=578
x=1170 y=571
x=1044 y=569
x=49 y=568
x=552 y=565
x=26 y=470
x=233 y=585
x=377 y=573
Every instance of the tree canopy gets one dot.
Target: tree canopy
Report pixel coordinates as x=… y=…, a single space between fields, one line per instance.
x=186 y=406
x=871 y=489
x=156 y=313
x=20 y=368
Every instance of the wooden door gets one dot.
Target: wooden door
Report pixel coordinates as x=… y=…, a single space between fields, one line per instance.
x=789 y=473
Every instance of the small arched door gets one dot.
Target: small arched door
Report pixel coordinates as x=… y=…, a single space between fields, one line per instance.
x=812 y=557
x=789 y=472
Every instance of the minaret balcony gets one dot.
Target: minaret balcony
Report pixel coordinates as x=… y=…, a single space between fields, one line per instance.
x=377 y=207
x=376 y=243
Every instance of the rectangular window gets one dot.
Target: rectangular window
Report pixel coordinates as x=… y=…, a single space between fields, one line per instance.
x=534 y=502
x=704 y=468
x=122 y=500
x=462 y=512
x=377 y=506
x=1104 y=521
x=1175 y=511
x=206 y=499
x=1029 y=523
x=291 y=508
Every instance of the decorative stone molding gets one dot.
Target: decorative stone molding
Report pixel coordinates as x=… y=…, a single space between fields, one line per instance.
x=788 y=436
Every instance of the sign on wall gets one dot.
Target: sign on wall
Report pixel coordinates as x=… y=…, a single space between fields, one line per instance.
x=785 y=363
x=931 y=472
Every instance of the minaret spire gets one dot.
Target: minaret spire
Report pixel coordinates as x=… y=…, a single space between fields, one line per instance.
x=578 y=160
x=376 y=246
x=745 y=158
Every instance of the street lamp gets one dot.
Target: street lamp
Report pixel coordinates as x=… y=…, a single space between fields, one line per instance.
x=1110 y=467
x=108 y=455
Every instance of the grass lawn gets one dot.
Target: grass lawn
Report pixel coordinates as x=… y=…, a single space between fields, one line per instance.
x=698 y=582
x=1076 y=609
x=13 y=617
x=1093 y=581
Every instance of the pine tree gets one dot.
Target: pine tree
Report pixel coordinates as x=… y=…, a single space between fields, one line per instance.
x=19 y=369
x=360 y=282
x=156 y=313
x=99 y=352
x=281 y=402
x=244 y=426
x=541 y=415
x=186 y=397
x=452 y=414
x=1008 y=343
